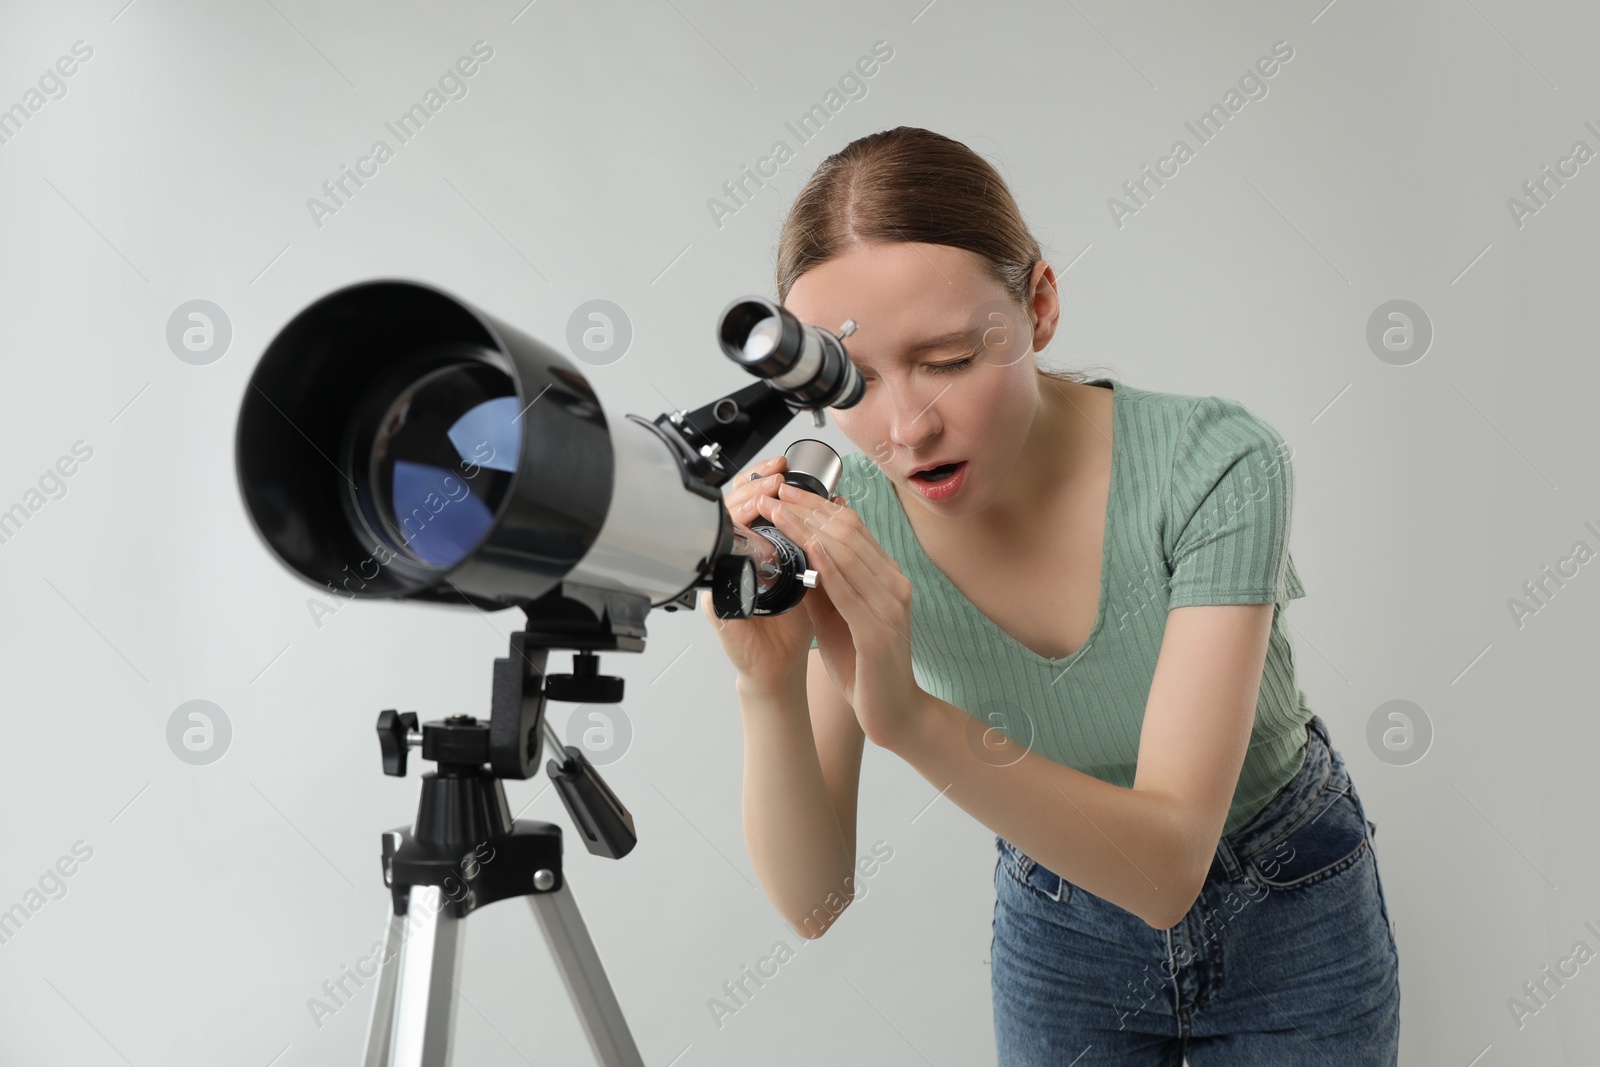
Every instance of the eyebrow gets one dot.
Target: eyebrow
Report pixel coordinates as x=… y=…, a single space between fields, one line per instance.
x=948 y=340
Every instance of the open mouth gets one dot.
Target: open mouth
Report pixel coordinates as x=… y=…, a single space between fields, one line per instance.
x=939 y=474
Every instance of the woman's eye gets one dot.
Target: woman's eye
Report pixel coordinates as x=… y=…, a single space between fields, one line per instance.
x=946 y=368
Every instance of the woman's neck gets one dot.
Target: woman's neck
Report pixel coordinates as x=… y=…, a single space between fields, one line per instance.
x=1066 y=446
x=1050 y=455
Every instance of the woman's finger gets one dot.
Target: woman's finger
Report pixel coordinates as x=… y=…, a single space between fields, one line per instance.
x=766 y=467
x=741 y=503
x=834 y=639
x=838 y=518
x=764 y=479
x=811 y=513
x=829 y=624
x=859 y=594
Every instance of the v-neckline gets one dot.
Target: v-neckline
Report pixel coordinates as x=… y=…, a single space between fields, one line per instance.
x=899 y=510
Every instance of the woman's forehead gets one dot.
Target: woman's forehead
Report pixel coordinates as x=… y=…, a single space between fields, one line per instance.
x=902 y=293
x=901 y=263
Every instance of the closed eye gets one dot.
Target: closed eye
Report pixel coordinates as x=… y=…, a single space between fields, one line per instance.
x=947 y=368
x=944 y=368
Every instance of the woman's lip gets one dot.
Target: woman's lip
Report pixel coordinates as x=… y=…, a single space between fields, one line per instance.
x=946 y=489
x=936 y=466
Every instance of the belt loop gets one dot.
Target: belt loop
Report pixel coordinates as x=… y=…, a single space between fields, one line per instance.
x=1227 y=860
x=1321 y=728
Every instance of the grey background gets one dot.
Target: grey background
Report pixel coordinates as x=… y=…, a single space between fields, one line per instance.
x=177 y=167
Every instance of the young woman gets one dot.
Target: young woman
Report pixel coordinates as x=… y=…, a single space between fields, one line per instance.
x=1076 y=636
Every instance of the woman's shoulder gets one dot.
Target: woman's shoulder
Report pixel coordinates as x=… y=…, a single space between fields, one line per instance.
x=1189 y=417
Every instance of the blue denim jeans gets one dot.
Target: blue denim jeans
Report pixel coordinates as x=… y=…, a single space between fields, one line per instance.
x=1287 y=957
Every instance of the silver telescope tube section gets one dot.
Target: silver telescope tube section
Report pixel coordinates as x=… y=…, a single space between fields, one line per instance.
x=806 y=365
x=644 y=547
x=654 y=534
x=817 y=459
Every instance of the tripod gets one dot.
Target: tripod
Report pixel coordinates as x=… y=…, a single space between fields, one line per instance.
x=465 y=850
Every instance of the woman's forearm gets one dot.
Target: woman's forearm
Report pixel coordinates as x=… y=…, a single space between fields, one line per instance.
x=1123 y=845
x=791 y=827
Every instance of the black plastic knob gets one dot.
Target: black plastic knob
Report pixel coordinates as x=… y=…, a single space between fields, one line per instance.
x=394 y=732
x=585 y=685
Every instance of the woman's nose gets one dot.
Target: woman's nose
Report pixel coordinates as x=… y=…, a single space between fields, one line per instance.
x=916 y=416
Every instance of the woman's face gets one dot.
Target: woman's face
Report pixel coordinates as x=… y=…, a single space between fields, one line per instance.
x=922 y=404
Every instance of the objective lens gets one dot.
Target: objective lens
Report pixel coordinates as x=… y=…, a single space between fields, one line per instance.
x=442 y=462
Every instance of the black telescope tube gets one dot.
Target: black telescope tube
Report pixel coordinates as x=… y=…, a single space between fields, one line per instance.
x=307 y=425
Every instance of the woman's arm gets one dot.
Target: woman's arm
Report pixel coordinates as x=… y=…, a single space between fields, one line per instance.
x=1148 y=848
x=840 y=743
x=801 y=770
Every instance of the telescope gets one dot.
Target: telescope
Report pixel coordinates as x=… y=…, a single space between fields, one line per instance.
x=394 y=442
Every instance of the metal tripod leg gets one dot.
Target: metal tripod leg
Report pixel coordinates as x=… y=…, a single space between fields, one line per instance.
x=413 y=1008
x=376 y=1053
x=568 y=939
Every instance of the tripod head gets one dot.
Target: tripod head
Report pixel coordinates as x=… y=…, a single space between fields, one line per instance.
x=463 y=803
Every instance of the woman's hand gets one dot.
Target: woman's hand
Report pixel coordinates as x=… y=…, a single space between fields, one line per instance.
x=863 y=622
x=768 y=651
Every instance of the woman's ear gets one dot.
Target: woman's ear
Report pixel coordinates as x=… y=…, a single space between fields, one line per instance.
x=1045 y=301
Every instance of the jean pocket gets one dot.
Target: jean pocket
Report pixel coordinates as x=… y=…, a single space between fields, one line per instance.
x=1016 y=860
x=1330 y=839
x=1026 y=872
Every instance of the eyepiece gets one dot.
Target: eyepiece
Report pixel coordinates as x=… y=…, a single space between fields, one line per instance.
x=807 y=362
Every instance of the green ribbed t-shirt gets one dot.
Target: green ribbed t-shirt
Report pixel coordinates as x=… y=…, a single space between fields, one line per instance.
x=1202 y=494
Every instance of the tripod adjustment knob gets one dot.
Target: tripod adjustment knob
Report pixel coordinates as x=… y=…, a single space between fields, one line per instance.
x=585 y=685
x=397 y=732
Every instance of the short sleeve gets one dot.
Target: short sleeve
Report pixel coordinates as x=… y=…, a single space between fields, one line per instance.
x=1230 y=505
